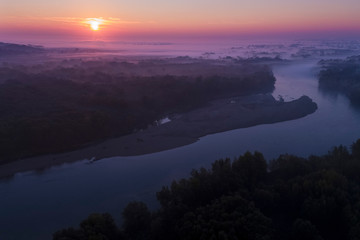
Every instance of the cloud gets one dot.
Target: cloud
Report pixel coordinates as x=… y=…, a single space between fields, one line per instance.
x=100 y=20
x=82 y=21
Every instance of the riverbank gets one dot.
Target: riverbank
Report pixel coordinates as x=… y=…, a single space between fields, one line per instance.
x=218 y=116
x=66 y=105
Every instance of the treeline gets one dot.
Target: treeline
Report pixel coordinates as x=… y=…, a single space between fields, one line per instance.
x=342 y=76
x=289 y=198
x=13 y=49
x=42 y=113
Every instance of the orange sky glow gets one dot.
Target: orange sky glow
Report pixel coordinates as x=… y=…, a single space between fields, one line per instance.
x=68 y=18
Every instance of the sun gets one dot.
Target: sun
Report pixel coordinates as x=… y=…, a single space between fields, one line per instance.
x=94 y=25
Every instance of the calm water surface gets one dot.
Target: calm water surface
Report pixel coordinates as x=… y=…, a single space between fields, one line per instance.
x=35 y=204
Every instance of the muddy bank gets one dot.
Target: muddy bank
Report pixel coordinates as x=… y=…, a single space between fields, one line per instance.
x=217 y=116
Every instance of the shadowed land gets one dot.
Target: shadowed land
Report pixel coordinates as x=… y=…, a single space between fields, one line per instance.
x=218 y=116
x=107 y=107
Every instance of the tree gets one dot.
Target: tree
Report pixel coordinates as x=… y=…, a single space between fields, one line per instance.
x=304 y=229
x=250 y=169
x=137 y=221
x=230 y=217
x=99 y=227
x=355 y=148
x=69 y=234
x=96 y=227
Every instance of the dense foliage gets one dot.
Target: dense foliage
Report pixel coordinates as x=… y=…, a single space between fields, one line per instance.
x=55 y=107
x=247 y=198
x=342 y=76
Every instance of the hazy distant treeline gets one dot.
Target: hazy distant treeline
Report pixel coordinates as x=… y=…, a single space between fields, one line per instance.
x=7 y=49
x=342 y=76
x=289 y=198
x=60 y=106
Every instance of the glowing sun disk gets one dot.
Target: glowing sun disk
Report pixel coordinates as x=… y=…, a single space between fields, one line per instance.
x=94 y=25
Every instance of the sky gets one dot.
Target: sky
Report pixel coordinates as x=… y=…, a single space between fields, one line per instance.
x=176 y=18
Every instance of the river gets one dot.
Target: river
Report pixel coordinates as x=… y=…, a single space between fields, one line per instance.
x=35 y=204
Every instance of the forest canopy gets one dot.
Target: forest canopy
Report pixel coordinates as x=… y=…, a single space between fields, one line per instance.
x=247 y=198
x=341 y=76
x=59 y=106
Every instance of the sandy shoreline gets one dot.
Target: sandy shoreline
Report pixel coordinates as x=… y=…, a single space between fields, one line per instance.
x=218 y=116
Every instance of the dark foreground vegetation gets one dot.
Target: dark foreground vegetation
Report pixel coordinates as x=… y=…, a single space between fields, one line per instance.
x=247 y=198
x=58 y=106
x=342 y=76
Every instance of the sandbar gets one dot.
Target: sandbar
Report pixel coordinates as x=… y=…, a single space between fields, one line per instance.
x=183 y=129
